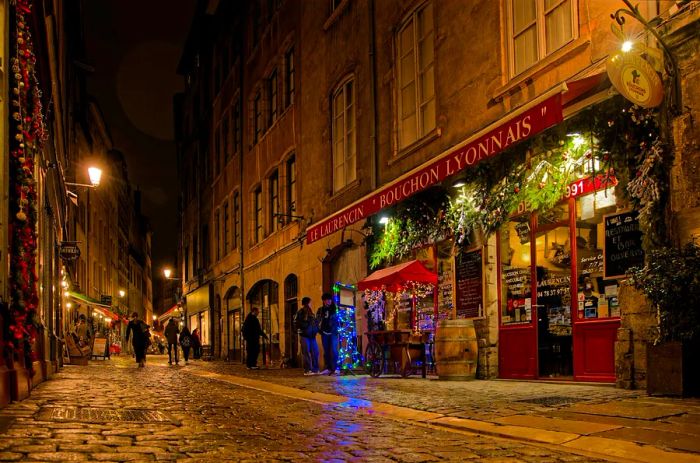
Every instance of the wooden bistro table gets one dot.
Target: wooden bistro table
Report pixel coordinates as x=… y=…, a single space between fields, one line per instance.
x=403 y=350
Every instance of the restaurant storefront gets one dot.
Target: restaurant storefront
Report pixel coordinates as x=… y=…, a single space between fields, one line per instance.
x=529 y=230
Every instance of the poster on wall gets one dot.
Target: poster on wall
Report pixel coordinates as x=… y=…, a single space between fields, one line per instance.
x=469 y=283
x=623 y=244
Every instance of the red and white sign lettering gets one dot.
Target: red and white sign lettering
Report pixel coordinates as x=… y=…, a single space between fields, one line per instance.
x=517 y=129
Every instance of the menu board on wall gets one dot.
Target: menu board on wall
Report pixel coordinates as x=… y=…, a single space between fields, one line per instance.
x=469 y=294
x=623 y=244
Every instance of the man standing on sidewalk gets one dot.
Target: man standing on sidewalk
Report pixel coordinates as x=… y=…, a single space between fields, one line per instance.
x=328 y=317
x=307 y=327
x=251 y=333
x=171 y=332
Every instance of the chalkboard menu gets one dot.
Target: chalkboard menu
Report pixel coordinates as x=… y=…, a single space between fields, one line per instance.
x=623 y=244
x=469 y=294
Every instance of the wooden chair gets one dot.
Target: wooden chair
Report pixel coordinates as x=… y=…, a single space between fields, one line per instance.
x=77 y=355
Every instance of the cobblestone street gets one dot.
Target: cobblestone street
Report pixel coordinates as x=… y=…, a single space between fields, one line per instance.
x=113 y=411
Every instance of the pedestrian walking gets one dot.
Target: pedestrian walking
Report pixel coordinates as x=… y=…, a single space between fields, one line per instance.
x=307 y=326
x=171 y=331
x=196 y=344
x=328 y=319
x=186 y=343
x=251 y=333
x=140 y=334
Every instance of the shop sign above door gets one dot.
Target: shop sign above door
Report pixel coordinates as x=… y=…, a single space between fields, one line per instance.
x=482 y=146
x=635 y=78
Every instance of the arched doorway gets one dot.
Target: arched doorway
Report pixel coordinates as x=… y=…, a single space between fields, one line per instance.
x=234 y=321
x=265 y=295
x=291 y=344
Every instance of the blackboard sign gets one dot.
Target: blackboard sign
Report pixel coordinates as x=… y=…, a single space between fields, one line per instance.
x=469 y=294
x=523 y=230
x=623 y=244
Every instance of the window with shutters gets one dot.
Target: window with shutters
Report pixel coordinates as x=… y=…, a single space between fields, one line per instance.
x=343 y=135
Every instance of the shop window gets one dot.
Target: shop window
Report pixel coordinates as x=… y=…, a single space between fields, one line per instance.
x=516 y=300
x=416 y=76
x=537 y=29
x=596 y=296
x=343 y=135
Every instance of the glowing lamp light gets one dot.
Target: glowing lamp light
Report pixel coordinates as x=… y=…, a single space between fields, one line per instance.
x=167 y=272
x=69 y=305
x=154 y=318
x=459 y=184
x=384 y=220
x=95 y=175
x=64 y=283
x=122 y=293
x=108 y=320
x=66 y=294
x=627 y=45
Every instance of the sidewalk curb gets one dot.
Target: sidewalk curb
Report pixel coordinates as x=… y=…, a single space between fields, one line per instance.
x=597 y=447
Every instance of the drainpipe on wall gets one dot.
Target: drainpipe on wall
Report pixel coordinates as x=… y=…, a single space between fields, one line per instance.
x=240 y=187
x=373 y=99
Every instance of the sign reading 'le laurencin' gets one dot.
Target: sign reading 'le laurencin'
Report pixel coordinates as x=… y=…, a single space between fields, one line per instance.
x=516 y=129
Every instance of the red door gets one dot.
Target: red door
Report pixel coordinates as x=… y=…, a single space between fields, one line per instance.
x=517 y=337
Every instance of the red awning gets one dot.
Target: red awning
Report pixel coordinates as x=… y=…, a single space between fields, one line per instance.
x=170 y=313
x=393 y=278
x=108 y=313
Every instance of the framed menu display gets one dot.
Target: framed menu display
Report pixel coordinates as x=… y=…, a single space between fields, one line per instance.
x=623 y=244
x=469 y=284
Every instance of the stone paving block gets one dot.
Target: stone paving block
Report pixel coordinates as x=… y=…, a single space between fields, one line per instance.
x=34 y=448
x=629 y=409
x=642 y=436
x=691 y=443
x=58 y=456
x=552 y=424
x=85 y=448
x=10 y=456
x=121 y=457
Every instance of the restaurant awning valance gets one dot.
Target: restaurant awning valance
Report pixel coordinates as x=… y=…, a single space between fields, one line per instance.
x=104 y=309
x=170 y=313
x=395 y=277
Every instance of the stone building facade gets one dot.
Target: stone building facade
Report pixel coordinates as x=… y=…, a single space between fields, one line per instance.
x=298 y=115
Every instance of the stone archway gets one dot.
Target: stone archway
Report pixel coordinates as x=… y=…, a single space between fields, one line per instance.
x=264 y=294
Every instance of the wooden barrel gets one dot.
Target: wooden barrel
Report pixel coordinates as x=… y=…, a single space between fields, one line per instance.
x=456 y=350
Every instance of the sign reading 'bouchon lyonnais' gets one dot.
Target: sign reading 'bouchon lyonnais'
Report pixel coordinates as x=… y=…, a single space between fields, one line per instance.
x=635 y=79
x=514 y=130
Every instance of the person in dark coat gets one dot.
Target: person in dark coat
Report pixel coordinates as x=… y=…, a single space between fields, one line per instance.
x=196 y=344
x=140 y=335
x=328 y=318
x=251 y=333
x=307 y=328
x=186 y=343
x=171 y=331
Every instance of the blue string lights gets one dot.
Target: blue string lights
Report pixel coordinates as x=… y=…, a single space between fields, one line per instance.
x=349 y=358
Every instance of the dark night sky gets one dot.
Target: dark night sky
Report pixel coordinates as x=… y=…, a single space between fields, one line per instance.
x=135 y=47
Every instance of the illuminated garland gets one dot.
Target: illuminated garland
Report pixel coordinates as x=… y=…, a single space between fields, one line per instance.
x=27 y=136
x=349 y=357
x=375 y=300
x=624 y=143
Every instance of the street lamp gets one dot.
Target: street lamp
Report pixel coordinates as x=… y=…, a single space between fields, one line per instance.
x=167 y=272
x=95 y=175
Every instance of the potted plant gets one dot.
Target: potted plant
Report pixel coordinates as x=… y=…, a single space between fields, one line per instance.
x=671 y=282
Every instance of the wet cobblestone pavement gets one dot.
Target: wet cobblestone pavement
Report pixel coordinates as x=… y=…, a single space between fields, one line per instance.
x=482 y=400
x=113 y=411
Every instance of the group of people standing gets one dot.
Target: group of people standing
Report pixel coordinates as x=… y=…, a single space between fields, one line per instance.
x=325 y=321
x=308 y=325
x=182 y=338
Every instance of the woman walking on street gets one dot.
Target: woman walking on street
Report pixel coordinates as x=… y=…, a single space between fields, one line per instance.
x=307 y=327
x=186 y=343
x=140 y=335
